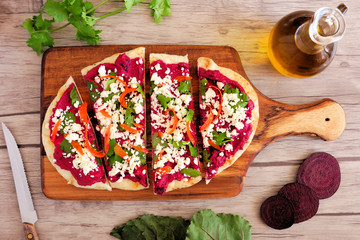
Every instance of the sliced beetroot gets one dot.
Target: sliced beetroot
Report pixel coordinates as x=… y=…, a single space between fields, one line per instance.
x=303 y=198
x=277 y=212
x=321 y=172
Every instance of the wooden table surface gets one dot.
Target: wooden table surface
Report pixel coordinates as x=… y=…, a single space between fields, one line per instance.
x=244 y=25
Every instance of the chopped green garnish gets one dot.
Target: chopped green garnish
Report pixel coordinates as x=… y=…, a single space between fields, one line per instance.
x=242 y=97
x=163 y=100
x=203 y=83
x=185 y=87
x=109 y=82
x=189 y=116
x=152 y=86
x=206 y=157
x=74 y=97
x=69 y=118
x=193 y=150
x=112 y=144
x=98 y=161
x=140 y=90
x=113 y=74
x=191 y=172
x=220 y=138
x=156 y=140
x=66 y=146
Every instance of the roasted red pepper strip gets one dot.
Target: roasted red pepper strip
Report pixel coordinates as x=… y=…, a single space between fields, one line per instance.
x=114 y=77
x=105 y=113
x=176 y=120
x=98 y=154
x=214 y=145
x=129 y=129
x=163 y=171
x=120 y=152
x=188 y=131
x=55 y=129
x=208 y=121
x=83 y=112
x=221 y=101
x=182 y=78
x=123 y=94
x=107 y=138
x=139 y=148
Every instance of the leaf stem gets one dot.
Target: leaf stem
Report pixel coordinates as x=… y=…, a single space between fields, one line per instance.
x=59 y=28
x=95 y=7
x=112 y=13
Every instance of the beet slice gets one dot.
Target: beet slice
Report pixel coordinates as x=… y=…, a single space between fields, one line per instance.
x=321 y=172
x=303 y=198
x=277 y=212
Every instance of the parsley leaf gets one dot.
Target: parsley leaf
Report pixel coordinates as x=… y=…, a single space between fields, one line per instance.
x=69 y=118
x=221 y=138
x=85 y=31
x=206 y=157
x=160 y=8
x=163 y=100
x=152 y=86
x=157 y=141
x=39 y=30
x=140 y=90
x=57 y=10
x=130 y=3
x=203 y=83
x=189 y=116
x=66 y=146
x=112 y=144
x=184 y=87
x=190 y=172
x=74 y=96
x=193 y=150
x=242 y=97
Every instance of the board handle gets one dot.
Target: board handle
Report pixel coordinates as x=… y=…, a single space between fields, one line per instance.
x=30 y=232
x=324 y=119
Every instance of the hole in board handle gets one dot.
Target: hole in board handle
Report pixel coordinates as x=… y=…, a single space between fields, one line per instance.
x=327 y=119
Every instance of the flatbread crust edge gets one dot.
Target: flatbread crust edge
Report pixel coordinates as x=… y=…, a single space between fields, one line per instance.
x=137 y=52
x=209 y=64
x=50 y=147
x=175 y=59
x=125 y=184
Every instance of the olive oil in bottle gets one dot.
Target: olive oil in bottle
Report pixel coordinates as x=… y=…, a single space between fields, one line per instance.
x=303 y=43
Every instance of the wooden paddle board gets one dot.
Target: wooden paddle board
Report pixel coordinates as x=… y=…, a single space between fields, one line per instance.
x=324 y=119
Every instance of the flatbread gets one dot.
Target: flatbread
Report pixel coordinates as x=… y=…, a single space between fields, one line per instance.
x=209 y=64
x=185 y=182
x=50 y=147
x=124 y=184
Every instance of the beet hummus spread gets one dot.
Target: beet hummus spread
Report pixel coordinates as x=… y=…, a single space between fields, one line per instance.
x=68 y=136
x=175 y=156
x=116 y=90
x=226 y=119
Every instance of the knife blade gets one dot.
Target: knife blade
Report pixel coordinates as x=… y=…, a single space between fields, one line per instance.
x=26 y=206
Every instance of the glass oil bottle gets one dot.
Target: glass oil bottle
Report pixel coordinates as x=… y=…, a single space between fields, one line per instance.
x=303 y=43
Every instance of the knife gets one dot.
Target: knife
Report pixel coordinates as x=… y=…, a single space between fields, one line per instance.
x=26 y=206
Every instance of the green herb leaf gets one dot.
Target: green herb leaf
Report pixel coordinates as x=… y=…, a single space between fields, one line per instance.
x=140 y=90
x=94 y=96
x=66 y=146
x=206 y=157
x=220 y=138
x=98 y=161
x=156 y=140
x=193 y=150
x=242 y=97
x=39 y=30
x=160 y=8
x=57 y=10
x=69 y=118
x=205 y=224
x=109 y=82
x=74 y=96
x=152 y=86
x=112 y=144
x=189 y=116
x=115 y=158
x=184 y=87
x=203 y=83
x=85 y=31
x=191 y=172
x=163 y=100
x=130 y=3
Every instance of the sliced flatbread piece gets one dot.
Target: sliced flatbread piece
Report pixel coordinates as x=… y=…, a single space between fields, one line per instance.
x=175 y=158
x=229 y=113
x=64 y=139
x=116 y=86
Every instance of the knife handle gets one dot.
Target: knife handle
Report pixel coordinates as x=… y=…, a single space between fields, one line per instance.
x=30 y=232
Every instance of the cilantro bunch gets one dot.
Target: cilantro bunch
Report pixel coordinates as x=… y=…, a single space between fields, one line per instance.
x=81 y=15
